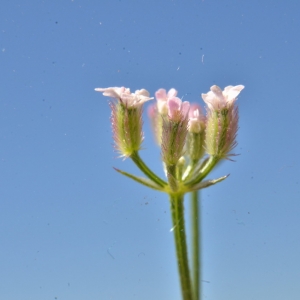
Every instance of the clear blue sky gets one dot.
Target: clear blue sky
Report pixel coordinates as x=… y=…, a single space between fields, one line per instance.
x=71 y=228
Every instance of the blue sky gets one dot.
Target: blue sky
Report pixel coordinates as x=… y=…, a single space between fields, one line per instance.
x=70 y=226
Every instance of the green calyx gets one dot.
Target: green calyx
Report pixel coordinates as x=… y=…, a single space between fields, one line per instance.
x=127 y=128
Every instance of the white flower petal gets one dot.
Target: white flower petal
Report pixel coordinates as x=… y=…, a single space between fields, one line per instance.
x=209 y=99
x=231 y=92
x=123 y=94
x=142 y=92
x=216 y=99
x=172 y=93
x=113 y=92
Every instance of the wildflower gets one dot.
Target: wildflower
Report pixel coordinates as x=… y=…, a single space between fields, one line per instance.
x=222 y=120
x=160 y=110
x=126 y=118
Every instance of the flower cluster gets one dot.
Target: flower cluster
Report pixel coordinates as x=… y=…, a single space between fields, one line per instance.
x=184 y=134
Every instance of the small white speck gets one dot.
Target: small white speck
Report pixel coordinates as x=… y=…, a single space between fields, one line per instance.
x=202 y=59
x=3 y=49
x=178 y=68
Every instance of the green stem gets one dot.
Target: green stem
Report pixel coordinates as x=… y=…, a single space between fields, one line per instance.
x=209 y=165
x=177 y=210
x=144 y=168
x=196 y=244
x=171 y=174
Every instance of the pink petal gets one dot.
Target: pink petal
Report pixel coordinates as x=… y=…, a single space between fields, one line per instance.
x=185 y=108
x=209 y=99
x=142 y=92
x=174 y=105
x=231 y=92
x=161 y=94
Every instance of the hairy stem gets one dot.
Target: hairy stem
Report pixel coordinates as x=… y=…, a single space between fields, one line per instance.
x=196 y=244
x=144 y=168
x=181 y=247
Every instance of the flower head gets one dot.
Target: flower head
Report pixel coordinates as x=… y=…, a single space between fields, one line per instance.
x=218 y=99
x=123 y=94
x=167 y=107
x=126 y=117
x=222 y=120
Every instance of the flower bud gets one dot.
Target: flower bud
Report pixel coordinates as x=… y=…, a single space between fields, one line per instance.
x=196 y=133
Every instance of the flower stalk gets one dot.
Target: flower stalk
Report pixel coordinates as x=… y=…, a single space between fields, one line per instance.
x=177 y=210
x=196 y=244
x=145 y=169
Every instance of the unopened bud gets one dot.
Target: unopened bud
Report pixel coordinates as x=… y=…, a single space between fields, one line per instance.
x=196 y=133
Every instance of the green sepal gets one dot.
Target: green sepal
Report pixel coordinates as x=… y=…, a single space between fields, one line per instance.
x=145 y=181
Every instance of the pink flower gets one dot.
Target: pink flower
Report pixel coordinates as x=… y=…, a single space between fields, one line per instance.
x=174 y=114
x=123 y=94
x=169 y=104
x=177 y=110
x=217 y=99
x=162 y=97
